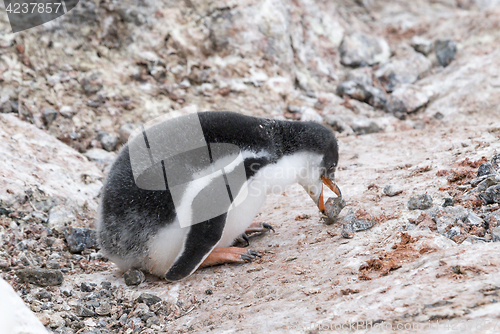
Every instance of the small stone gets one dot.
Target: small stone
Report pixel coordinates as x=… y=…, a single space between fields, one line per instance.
x=448 y=201
x=360 y=49
x=106 y=285
x=41 y=277
x=154 y=320
x=67 y=111
x=59 y=216
x=148 y=298
x=355 y=222
x=338 y=124
x=86 y=287
x=495 y=234
x=126 y=130
x=80 y=238
x=420 y=202
x=358 y=91
x=92 y=84
x=445 y=51
x=134 y=277
x=108 y=141
x=485 y=169
x=49 y=115
x=392 y=190
x=333 y=206
x=103 y=309
x=422 y=45
x=6 y=107
x=452 y=232
x=473 y=220
x=208 y=291
x=492 y=194
x=83 y=311
x=495 y=162
x=363 y=126
x=44 y=294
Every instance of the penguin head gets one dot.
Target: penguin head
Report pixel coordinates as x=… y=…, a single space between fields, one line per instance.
x=322 y=172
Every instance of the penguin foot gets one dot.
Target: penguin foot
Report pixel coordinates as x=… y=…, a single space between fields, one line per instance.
x=229 y=255
x=243 y=240
x=257 y=227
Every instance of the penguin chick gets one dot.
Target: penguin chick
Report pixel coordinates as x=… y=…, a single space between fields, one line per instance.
x=152 y=225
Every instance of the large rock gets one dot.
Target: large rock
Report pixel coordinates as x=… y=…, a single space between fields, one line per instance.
x=406 y=67
x=15 y=316
x=360 y=49
x=37 y=166
x=406 y=99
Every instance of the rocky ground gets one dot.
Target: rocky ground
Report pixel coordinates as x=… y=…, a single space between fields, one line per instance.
x=411 y=89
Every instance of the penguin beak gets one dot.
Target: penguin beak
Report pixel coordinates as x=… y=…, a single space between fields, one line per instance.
x=333 y=187
x=317 y=195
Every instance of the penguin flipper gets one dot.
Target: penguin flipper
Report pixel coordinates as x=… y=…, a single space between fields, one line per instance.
x=200 y=241
x=229 y=255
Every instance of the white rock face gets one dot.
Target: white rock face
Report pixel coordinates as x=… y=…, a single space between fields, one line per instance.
x=15 y=316
x=35 y=164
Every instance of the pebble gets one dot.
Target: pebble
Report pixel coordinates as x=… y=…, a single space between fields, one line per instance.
x=492 y=194
x=49 y=115
x=134 y=277
x=362 y=92
x=108 y=141
x=59 y=216
x=80 y=238
x=485 y=169
x=83 y=311
x=6 y=107
x=148 y=298
x=473 y=220
x=126 y=130
x=86 y=287
x=104 y=308
x=445 y=52
x=67 y=111
x=41 y=277
x=422 y=45
x=333 y=206
x=352 y=224
x=338 y=124
x=392 y=190
x=363 y=126
x=92 y=84
x=420 y=202
x=495 y=234
x=44 y=294
x=360 y=49
x=448 y=201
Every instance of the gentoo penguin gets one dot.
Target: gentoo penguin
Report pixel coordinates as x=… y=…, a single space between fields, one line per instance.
x=147 y=217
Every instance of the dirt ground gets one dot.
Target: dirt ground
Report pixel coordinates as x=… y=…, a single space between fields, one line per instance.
x=111 y=64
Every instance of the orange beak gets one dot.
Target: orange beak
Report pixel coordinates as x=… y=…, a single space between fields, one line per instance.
x=333 y=187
